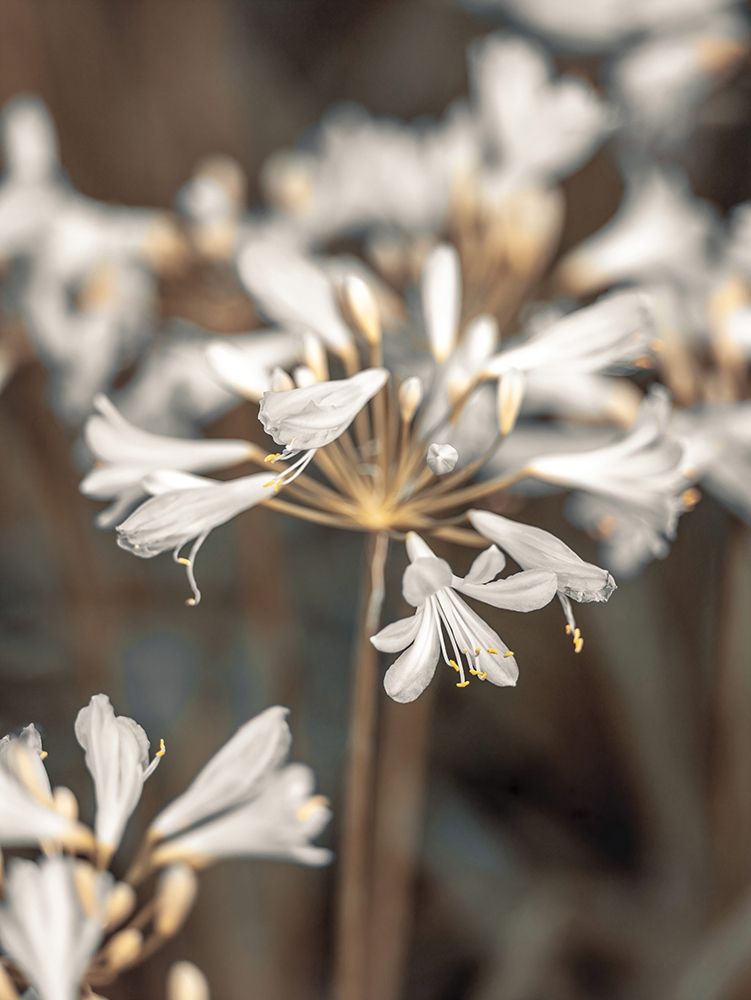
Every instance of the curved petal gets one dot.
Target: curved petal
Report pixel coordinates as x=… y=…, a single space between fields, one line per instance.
x=407 y=677
x=526 y=591
x=486 y=566
x=398 y=635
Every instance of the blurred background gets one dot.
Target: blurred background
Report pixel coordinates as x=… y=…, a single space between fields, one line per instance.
x=586 y=834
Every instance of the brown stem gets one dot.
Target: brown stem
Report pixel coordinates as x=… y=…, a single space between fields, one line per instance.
x=352 y=924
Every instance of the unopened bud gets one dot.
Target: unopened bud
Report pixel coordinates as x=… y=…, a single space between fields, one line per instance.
x=186 y=982
x=65 y=803
x=362 y=308
x=8 y=990
x=510 y=394
x=123 y=949
x=315 y=357
x=120 y=904
x=442 y=458
x=304 y=376
x=410 y=397
x=85 y=880
x=175 y=894
x=281 y=381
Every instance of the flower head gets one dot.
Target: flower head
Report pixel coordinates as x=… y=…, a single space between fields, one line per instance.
x=444 y=625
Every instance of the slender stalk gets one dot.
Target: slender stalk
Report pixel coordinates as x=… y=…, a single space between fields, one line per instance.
x=352 y=922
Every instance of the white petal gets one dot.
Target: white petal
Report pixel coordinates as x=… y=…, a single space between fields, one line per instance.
x=408 y=676
x=398 y=635
x=526 y=591
x=441 y=299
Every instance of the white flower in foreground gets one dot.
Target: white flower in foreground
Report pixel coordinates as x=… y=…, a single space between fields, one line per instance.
x=44 y=928
x=306 y=419
x=246 y=802
x=534 y=548
x=610 y=334
x=126 y=454
x=537 y=127
x=187 y=510
x=27 y=809
x=117 y=756
x=642 y=472
x=473 y=646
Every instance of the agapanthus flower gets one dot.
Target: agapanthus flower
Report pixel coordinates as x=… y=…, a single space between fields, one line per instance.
x=445 y=626
x=533 y=548
x=246 y=801
x=45 y=928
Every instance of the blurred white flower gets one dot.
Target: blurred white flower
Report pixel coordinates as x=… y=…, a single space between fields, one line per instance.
x=474 y=648
x=534 y=548
x=245 y=364
x=117 y=756
x=536 y=128
x=44 y=927
x=440 y=290
x=125 y=454
x=245 y=801
x=188 y=510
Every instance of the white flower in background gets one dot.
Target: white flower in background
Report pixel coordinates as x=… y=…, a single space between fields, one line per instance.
x=534 y=548
x=28 y=812
x=245 y=801
x=445 y=626
x=661 y=82
x=117 y=756
x=717 y=443
x=186 y=508
x=608 y=336
x=125 y=454
x=659 y=231
x=245 y=364
x=644 y=472
x=304 y=420
x=536 y=128
x=45 y=928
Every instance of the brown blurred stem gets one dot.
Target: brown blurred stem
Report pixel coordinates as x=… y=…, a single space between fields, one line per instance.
x=353 y=904
x=402 y=764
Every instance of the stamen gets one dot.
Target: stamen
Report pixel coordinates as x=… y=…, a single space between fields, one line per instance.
x=273 y=457
x=162 y=749
x=43 y=755
x=509 y=652
x=462 y=684
x=492 y=649
x=188 y=564
x=307 y=809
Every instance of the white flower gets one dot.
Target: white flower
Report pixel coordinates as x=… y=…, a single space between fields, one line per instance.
x=188 y=512
x=609 y=335
x=44 y=928
x=473 y=646
x=538 y=128
x=534 y=548
x=306 y=419
x=246 y=364
x=117 y=756
x=27 y=809
x=245 y=802
x=125 y=455
x=643 y=471
x=442 y=458
x=660 y=230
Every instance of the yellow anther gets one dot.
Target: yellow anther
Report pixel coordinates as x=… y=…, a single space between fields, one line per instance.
x=477 y=650
x=307 y=809
x=183 y=561
x=492 y=649
x=162 y=749
x=509 y=652
x=690 y=497
x=43 y=755
x=454 y=664
x=273 y=457
x=567 y=629
x=578 y=644
x=482 y=675
x=474 y=672
x=191 y=602
x=577 y=634
x=462 y=684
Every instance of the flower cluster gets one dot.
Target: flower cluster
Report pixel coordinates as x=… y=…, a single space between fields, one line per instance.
x=65 y=920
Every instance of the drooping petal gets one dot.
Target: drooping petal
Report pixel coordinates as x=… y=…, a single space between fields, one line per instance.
x=487 y=566
x=411 y=673
x=525 y=591
x=398 y=635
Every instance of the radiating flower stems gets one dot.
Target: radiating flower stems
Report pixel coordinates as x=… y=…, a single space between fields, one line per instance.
x=353 y=905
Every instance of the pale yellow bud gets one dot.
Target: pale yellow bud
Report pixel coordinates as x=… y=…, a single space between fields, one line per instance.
x=410 y=397
x=65 y=802
x=281 y=381
x=120 y=905
x=304 y=376
x=7 y=989
x=363 y=308
x=123 y=949
x=175 y=894
x=186 y=982
x=315 y=357
x=85 y=880
x=510 y=395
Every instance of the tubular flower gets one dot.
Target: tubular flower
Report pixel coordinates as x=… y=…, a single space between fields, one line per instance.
x=45 y=928
x=117 y=756
x=188 y=511
x=304 y=420
x=444 y=625
x=533 y=548
x=245 y=801
x=126 y=454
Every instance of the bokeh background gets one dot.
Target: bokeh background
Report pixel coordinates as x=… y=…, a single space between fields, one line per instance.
x=585 y=835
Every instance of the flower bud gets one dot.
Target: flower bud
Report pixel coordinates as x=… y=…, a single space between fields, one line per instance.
x=410 y=397
x=120 y=905
x=186 y=982
x=175 y=894
x=442 y=458
x=362 y=308
x=510 y=394
x=123 y=949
